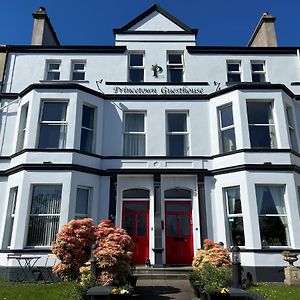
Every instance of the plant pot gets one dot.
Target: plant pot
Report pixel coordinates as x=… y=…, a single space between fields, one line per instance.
x=218 y=296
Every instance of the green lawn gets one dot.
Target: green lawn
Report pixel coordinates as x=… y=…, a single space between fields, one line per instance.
x=277 y=291
x=51 y=291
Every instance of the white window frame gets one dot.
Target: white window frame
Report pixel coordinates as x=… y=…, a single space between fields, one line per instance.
x=129 y=133
x=22 y=127
x=54 y=123
x=81 y=62
x=223 y=129
x=87 y=128
x=136 y=67
x=257 y=62
x=87 y=215
x=50 y=71
x=273 y=142
x=229 y=215
x=239 y=72
x=171 y=66
x=185 y=133
x=42 y=215
x=283 y=189
x=291 y=128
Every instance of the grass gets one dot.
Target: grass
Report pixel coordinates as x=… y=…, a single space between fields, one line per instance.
x=277 y=291
x=51 y=291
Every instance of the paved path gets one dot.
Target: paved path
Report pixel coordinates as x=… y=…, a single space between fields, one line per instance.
x=159 y=289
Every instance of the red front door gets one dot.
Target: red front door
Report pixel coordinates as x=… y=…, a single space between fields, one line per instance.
x=179 y=239
x=135 y=220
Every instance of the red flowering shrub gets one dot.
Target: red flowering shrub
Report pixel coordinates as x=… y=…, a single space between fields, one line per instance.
x=73 y=247
x=213 y=254
x=113 y=252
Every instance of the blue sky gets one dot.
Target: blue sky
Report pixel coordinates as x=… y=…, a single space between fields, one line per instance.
x=90 y=22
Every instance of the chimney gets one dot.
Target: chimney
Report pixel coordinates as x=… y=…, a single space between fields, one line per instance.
x=264 y=34
x=43 y=32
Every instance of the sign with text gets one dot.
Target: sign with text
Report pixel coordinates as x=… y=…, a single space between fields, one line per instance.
x=158 y=91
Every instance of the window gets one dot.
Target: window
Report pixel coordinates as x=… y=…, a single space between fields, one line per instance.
x=53 y=70
x=234 y=71
x=258 y=71
x=11 y=210
x=22 y=127
x=134 y=134
x=53 y=125
x=261 y=125
x=136 y=67
x=44 y=215
x=175 y=67
x=87 y=128
x=178 y=194
x=82 y=202
x=291 y=127
x=78 y=70
x=136 y=194
x=227 y=128
x=177 y=134
x=272 y=216
x=235 y=216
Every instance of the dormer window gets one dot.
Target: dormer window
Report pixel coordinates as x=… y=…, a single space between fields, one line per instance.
x=175 y=67
x=136 y=67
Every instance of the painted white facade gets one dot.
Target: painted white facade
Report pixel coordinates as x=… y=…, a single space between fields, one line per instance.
x=106 y=88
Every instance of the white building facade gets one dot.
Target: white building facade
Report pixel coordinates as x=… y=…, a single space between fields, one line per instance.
x=174 y=142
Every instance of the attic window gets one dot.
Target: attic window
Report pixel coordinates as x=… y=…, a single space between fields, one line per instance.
x=136 y=67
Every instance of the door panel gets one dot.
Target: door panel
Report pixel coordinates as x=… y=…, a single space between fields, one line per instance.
x=135 y=220
x=179 y=238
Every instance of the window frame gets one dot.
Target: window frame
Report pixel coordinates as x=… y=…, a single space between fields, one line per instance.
x=291 y=128
x=171 y=66
x=52 y=71
x=229 y=72
x=42 y=215
x=263 y=72
x=272 y=141
x=185 y=133
x=132 y=133
x=283 y=193
x=234 y=215
x=136 y=67
x=87 y=215
x=93 y=130
x=224 y=129
x=53 y=123
x=22 y=127
x=73 y=63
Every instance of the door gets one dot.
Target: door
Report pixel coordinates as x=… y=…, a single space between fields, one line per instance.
x=178 y=232
x=135 y=220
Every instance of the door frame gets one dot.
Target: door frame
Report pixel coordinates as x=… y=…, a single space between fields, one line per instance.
x=165 y=201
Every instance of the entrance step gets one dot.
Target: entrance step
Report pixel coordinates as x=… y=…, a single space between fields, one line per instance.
x=165 y=273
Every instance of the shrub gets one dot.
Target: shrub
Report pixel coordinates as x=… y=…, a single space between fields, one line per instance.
x=73 y=247
x=212 y=254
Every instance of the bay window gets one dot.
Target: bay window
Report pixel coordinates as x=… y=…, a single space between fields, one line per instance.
x=291 y=128
x=227 y=133
x=234 y=216
x=22 y=127
x=261 y=125
x=44 y=214
x=53 y=125
x=177 y=134
x=273 y=223
x=134 y=135
x=87 y=128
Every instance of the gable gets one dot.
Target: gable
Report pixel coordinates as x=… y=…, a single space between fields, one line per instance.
x=155 y=22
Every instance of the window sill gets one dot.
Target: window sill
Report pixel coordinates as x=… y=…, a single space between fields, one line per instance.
x=64 y=81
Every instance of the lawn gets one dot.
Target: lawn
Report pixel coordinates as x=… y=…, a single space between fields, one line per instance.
x=277 y=291
x=27 y=291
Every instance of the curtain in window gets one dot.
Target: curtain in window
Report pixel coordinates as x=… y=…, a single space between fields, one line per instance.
x=134 y=123
x=44 y=215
